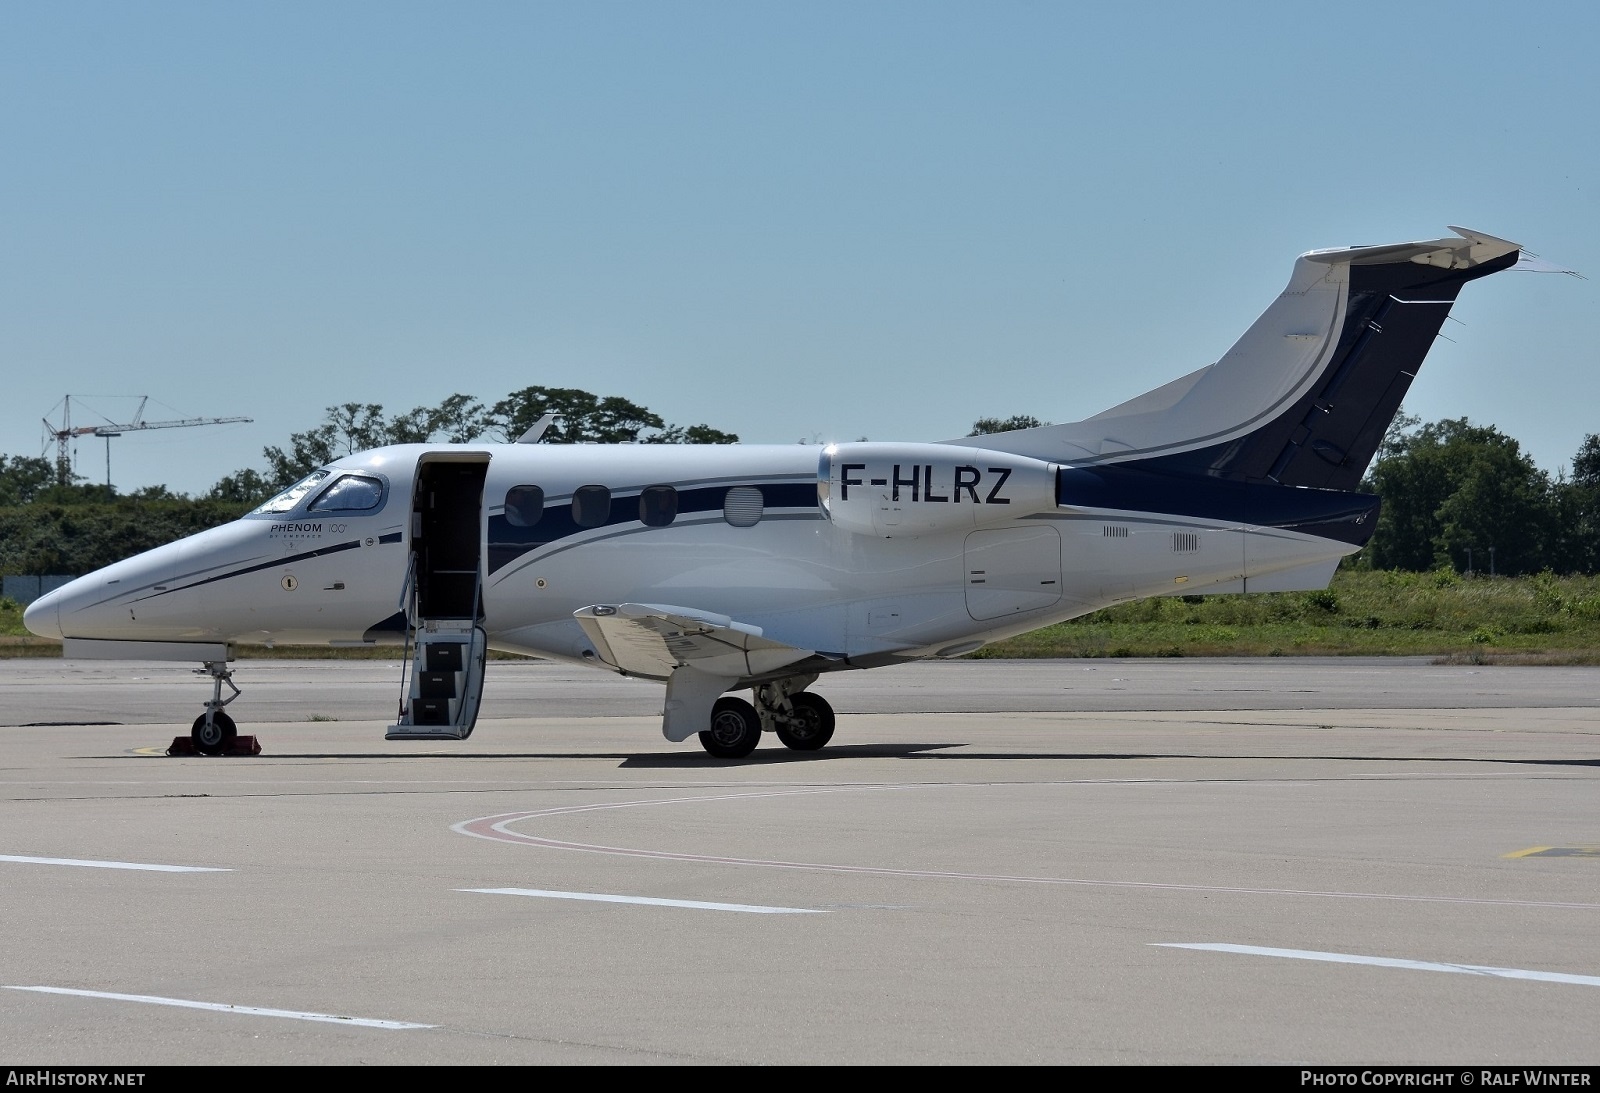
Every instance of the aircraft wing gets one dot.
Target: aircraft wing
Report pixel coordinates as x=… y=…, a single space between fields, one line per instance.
x=653 y=640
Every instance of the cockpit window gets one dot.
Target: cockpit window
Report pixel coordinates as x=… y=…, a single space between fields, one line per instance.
x=351 y=493
x=296 y=493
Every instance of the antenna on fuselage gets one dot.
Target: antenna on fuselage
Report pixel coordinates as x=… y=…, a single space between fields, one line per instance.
x=533 y=435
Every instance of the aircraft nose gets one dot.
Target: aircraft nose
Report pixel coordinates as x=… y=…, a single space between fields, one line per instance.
x=43 y=615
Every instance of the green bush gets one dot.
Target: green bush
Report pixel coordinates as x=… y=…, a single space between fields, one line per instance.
x=1323 y=599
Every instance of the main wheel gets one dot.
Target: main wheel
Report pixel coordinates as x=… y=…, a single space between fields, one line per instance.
x=812 y=725
x=735 y=729
x=213 y=739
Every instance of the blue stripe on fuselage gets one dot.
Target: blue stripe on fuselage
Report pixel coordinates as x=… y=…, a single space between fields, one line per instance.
x=508 y=542
x=1330 y=514
x=354 y=544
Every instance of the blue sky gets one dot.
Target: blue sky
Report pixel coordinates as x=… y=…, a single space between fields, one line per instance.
x=785 y=220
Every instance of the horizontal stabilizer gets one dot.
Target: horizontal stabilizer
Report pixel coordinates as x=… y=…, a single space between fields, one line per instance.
x=653 y=640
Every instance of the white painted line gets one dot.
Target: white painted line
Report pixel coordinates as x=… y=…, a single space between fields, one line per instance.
x=221 y=1007
x=693 y=905
x=112 y=864
x=499 y=828
x=1392 y=962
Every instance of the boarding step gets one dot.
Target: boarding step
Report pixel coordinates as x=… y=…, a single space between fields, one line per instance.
x=446 y=685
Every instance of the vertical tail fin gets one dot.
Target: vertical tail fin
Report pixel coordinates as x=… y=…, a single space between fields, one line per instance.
x=1305 y=396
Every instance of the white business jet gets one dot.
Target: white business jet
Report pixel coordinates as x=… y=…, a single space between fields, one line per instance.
x=762 y=568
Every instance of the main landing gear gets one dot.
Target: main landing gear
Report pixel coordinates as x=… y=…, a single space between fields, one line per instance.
x=803 y=721
x=214 y=732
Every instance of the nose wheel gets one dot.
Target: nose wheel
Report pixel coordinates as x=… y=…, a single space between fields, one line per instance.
x=214 y=732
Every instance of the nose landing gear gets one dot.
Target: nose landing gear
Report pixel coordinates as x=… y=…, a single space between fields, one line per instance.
x=214 y=732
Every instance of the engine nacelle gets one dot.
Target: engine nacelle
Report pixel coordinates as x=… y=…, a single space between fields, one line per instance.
x=902 y=490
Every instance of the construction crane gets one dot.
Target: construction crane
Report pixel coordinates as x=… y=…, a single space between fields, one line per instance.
x=66 y=432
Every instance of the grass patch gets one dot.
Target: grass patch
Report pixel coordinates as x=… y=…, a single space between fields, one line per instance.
x=1502 y=620
x=14 y=646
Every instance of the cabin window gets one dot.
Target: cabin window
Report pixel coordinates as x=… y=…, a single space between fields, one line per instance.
x=524 y=506
x=296 y=493
x=658 y=506
x=743 y=506
x=591 y=506
x=351 y=493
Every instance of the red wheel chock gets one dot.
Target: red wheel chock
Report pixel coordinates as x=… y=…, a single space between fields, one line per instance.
x=239 y=745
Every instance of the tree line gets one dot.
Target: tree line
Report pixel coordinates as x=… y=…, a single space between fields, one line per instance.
x=1467 y=497
x=575 y=417
x=55 y=521
x=1455 y=495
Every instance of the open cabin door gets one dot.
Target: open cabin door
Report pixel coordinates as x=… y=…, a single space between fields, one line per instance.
x=444 y=599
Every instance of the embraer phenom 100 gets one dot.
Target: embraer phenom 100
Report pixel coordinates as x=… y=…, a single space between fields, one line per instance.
x=715 y=569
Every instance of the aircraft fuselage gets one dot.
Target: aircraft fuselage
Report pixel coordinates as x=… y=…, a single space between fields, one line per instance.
x=746 y=537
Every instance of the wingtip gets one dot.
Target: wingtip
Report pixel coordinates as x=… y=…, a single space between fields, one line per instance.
x=1482 y=237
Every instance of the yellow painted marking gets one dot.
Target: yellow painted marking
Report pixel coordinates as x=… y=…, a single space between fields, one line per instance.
x=1556 y=852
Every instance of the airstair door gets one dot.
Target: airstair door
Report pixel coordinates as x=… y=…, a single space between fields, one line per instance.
x=444 y=599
